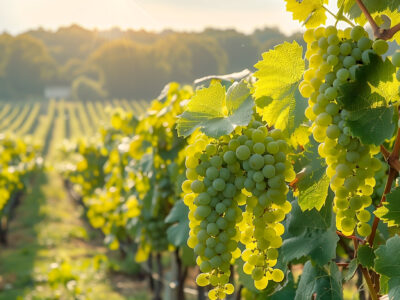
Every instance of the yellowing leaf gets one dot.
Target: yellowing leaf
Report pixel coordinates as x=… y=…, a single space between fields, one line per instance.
x=279 y=75
x=311 y=12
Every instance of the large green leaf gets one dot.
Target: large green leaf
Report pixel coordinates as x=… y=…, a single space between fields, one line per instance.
x=373 y=125
x=390 y=211
x=178 y=233
x=313 y=186
x=278 y=77
x=374 y=84
x=310 y=233
x=394 y=288
x=319 y=282
x=366 y=256
x=387 y=261
x=215 y=112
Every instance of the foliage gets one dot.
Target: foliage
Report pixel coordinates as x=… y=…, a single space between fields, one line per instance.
x=84 y=88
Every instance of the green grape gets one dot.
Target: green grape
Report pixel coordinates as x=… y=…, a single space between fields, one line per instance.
x=256 y=161
x=342 y=75
x=349 y=61
x=396 y=59
x=380 y=47
x=219 y=184
x=364 y=229
x=243 y=152
x=366 y=56
x=357 y=33
x=197 y=186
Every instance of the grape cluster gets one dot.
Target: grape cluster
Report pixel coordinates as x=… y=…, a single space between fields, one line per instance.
x=245 y=170
x=334 y=56
x=266 y=204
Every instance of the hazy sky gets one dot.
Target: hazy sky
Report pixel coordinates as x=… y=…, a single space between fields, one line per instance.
x=245 y=15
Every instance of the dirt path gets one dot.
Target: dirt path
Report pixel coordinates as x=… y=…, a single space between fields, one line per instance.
x=52 y=254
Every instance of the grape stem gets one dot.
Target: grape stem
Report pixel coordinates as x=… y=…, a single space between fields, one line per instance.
x=393 y=162
x=339 y=17
x=350 y=237
x=379 y=33
x=366 y=275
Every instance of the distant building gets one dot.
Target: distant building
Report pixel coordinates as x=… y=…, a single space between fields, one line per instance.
x=57 y=92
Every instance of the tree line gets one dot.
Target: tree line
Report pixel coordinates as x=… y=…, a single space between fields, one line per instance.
x=117 y=63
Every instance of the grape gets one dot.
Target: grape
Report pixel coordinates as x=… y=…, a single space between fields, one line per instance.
x=343 y=75
x=357 y=33
x=277 y=275
x=256 y=161
x=396 y=59
x=365 y=56
x=380 y=47
x=243 y=152
x=349 y=61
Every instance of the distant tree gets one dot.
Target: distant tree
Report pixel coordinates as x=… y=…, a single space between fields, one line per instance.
x=130 y=70
x=69 y=42
x=84 y=89
x=189 y=56
x=27 y=67
x=241 y=50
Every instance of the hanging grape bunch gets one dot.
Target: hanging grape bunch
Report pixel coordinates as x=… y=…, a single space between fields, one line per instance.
x=248 y=170
x=334 y=57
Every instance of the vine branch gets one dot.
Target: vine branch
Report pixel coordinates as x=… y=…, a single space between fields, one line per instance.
x=383 y=34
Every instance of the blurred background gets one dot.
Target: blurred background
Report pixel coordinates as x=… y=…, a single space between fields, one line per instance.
x=130 y=49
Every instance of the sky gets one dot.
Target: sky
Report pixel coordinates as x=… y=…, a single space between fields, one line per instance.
x=17 y=16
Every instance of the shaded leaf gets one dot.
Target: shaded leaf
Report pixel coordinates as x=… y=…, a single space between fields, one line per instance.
x=373 y=125
x=317 y=281
x=374 y=83
x=351 y=270
x=387 y=261
x=178 y=233
x=310 y=233
x=366 y=256
x=313 y=186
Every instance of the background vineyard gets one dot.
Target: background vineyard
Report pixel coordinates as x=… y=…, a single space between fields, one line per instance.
x=49 y=122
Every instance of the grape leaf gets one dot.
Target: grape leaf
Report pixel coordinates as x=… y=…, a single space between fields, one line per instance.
x=366 y=256
x=276 y=89
x=178 y=233
x=237 y=76
x=390 y=211
x=317 y=281
x=351 y=270
x=394 y=288
x=310 y=233
x=215 y=112
x=310 y=12
x=373 y=125
x=287 y=292
x=313 y=186
x=374 y=83
x=387 y=261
